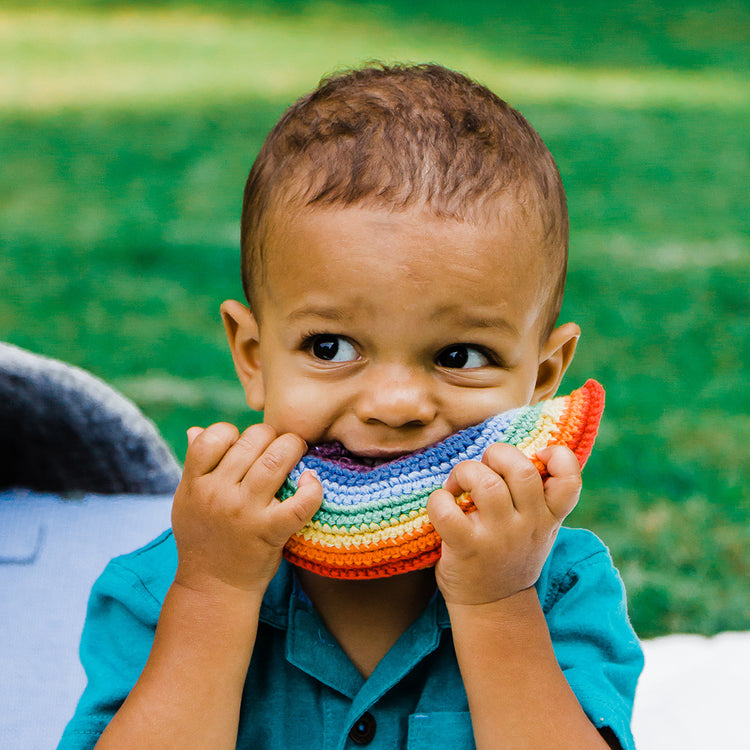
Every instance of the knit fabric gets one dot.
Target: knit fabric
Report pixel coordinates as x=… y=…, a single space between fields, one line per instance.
x=373 y=521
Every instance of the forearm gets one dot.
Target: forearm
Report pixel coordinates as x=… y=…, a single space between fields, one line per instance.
x=518 y=695
x=190 y=690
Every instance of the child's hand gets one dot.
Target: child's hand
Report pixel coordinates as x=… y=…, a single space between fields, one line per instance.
x=228 y=524
x=500 y=548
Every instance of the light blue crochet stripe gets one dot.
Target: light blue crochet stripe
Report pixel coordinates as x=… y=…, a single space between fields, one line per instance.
x=419 y=473
x=386 y=492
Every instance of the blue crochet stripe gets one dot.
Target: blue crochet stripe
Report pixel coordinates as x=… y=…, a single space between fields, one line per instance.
x=393 y=489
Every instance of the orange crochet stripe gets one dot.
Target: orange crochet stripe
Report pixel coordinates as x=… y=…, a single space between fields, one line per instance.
x=373 y=523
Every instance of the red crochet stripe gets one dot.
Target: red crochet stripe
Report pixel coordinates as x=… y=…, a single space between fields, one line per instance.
x=577 y=429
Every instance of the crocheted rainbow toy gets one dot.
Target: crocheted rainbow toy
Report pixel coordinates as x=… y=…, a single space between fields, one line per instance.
x=373 y=520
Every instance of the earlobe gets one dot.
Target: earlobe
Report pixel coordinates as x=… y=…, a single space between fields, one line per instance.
x=243 y=335
x=555 y=357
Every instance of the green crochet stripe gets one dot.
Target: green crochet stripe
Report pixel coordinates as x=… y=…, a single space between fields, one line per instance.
x=524 y=422
x=365 y=514
x=355 y=516
x=287 y=490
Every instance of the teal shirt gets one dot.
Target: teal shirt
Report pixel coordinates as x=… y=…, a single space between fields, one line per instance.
x=302 y=691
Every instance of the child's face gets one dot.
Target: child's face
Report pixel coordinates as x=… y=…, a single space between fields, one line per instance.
x=389 y=331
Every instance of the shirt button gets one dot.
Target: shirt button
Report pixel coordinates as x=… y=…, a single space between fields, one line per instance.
x=364 y=730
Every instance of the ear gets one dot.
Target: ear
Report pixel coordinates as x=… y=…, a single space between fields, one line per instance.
x=243 y=334
x=554 y=358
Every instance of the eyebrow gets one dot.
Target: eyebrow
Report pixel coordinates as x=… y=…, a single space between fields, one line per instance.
x=457 y=314
x=469 y=319
x=334 y=314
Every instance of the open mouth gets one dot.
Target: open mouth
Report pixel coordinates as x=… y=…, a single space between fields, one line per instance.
x=338 y=454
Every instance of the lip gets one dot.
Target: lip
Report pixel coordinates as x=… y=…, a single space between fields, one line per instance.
x=384 y=455
x=379 y=454
x=369 y=453
x=376 y=458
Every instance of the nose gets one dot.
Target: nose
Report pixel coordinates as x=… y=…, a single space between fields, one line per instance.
x=396 y=397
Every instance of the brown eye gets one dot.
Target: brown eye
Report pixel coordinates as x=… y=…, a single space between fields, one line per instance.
x=462 y=356
x=330 y=348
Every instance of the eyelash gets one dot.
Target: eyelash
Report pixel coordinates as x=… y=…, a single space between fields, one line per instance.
x=492 y=359
x=309 y=339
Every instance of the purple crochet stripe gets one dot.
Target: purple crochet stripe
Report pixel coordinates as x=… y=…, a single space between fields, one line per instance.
x=336 y=454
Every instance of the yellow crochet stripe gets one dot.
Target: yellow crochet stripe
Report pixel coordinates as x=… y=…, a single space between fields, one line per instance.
x=387 y=533
x=341 y=538
x=363 y=528
x=546 y=427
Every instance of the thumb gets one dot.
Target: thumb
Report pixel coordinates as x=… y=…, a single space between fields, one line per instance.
x=297 y=511
x=448 y=519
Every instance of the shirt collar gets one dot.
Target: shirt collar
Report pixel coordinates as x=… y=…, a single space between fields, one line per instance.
x=275 y=608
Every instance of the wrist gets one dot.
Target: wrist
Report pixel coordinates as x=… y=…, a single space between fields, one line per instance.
x=507 y=612
x=205 y=591
x=219 y=620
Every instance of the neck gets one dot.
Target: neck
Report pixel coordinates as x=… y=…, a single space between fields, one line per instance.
x=368 y=617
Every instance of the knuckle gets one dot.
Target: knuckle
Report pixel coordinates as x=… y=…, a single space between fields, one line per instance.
x=299 y=516
x=246 y=440
x=527 y=472
x=271 y=461
x=262 y=429
x=257 y=434
x=490 y=483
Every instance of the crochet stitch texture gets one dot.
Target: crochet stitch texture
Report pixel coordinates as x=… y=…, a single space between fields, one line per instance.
x=373 y=521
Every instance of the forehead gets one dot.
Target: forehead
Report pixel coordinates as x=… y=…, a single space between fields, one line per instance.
x=369 y=257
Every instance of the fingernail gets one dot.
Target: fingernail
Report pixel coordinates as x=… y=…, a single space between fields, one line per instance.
x=312 y=473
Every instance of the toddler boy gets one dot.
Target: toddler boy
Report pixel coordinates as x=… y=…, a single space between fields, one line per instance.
x=404 y=246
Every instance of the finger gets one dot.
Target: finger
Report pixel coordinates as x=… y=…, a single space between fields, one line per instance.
x=559 y=460
x=562 y=489
x=297 y=511
x=466 y=476
x=487 y=488
x=519 y=474
x=246 y=451
x=207 y=448
x=193 y=433
x=271 y=468
x=450 y=522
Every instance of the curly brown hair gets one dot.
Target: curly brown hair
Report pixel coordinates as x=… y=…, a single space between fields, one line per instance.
x=399 y=136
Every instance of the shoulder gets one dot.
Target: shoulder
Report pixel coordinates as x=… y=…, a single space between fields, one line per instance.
x=575 y=546
x=578 y=558
x=140 y=579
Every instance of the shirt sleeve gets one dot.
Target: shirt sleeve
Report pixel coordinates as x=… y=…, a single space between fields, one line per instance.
x=595 y=645
x=116 y=641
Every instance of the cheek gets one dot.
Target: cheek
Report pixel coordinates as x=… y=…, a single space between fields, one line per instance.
x=476 y=405
x=300 y=408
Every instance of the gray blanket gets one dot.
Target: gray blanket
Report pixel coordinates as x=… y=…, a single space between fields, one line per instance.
x=63 y=430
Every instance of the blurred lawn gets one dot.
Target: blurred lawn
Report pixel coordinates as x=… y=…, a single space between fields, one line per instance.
x=127 y=131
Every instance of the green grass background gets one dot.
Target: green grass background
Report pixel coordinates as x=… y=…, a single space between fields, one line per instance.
x=127 y=130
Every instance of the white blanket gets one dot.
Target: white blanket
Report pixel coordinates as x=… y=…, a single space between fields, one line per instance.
x=693 y=694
